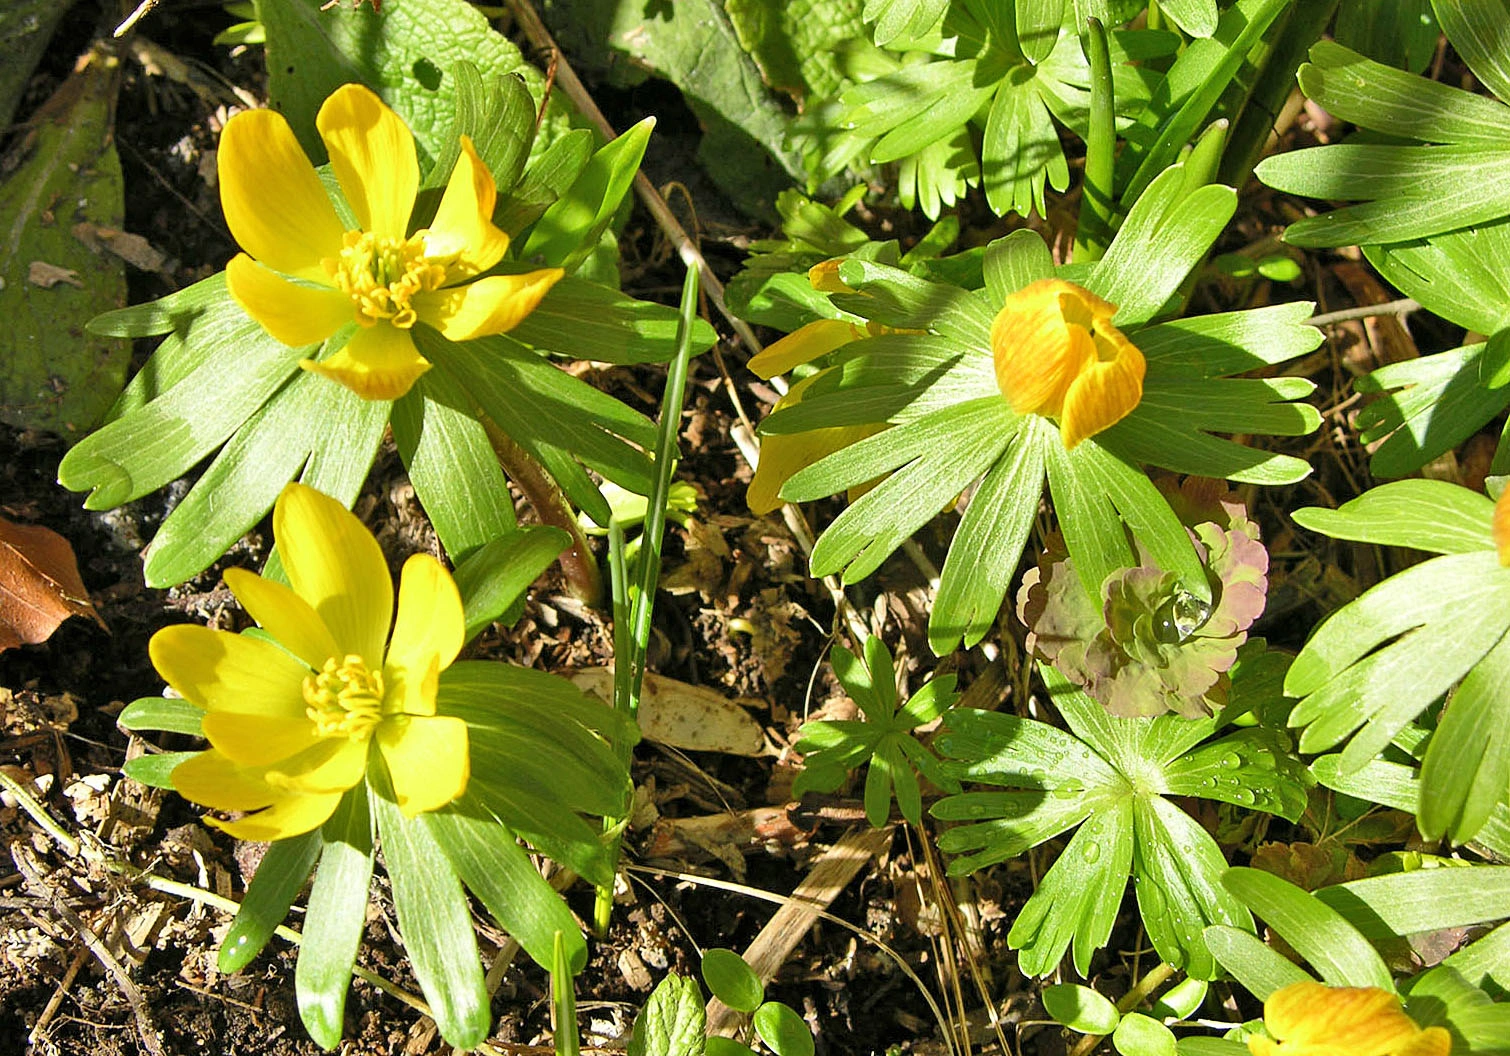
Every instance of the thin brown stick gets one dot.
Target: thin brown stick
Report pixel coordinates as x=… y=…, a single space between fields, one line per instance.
x=566 y=77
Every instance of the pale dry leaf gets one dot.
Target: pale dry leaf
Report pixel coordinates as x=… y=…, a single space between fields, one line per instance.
x=694 y=718
x=40 y=273
x=39 y=584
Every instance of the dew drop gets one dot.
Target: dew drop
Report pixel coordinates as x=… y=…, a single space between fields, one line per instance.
x=1092 y=851
x=1231 y=760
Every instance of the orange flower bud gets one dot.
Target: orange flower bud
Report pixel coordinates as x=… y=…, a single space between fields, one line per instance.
x=1312 y=1019
x=1058 y=354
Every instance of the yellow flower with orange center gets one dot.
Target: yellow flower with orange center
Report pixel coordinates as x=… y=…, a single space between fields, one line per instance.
x=1058 y=355
x=304 y=276
x=1312 y=1019
x=295 y=722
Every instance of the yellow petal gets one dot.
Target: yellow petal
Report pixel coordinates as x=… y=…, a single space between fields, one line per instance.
x=334 y=765
x=783 y=455
x=803 y=345
x=1361 y=1021
x=335 y=565
x=491 y=305
x=1501 y=526
x=221 y=671
x=428 y=633
x=284 y=615
x=294 y=314
x=825 y=277
x=1102 y=395
x=463 y=225
x=211 y=780
x=427 y=759
x=274 y=203
x=289 y=816
x=1433 y=1041
x=372 y=154
x=380 y=362
x=258 y=740
x=1039 y=345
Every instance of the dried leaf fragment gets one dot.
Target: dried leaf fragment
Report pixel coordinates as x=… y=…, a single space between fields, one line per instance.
x=39 y=584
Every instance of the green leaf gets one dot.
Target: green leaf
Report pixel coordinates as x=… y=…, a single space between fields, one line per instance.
x=499 y=117
x=1476 y=29
x=434 y=921
x=1460 y=275
x=1250 y=768
x=1396 y=904
x=402 y=53
x=155 y=771
x=25 y=28
x=1251 y=961
x=783 y=1030
x=236 y=367
x=569 y=229
x=1092 y=529
x=334 y=918
x=499 y=872
x=587 y=321
x=903 y=18
x=1139 y=1035
x=452 y=464
x=1080 y=1008
x=1399 y=33
x=1167 y=233
x=1467 y=765
x=279 y=878
x=798 y=45
x=494 y=576
x=672 y=1022
x=731 y=980
x=54 y=375
x=1013 y=261
x=1183 y=999
x=170 y=714
x=564 y=1002
x=1316 y=931
x=1213 y=346
x=1432 y=515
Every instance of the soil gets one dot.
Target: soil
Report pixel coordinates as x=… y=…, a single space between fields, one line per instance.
x=161 y=992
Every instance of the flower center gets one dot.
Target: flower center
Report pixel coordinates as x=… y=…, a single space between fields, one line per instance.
x=345 y=698
x=380 y=275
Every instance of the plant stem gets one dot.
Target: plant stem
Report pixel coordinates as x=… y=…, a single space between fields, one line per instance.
x=583 y=578
x=1157 y=976
x=1093 y=233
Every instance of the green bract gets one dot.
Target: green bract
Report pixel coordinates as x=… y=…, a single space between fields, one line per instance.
x=884 y=739
x=1146 y=646
x=220 y=383
x=1113 y=778
x=951 y=427
x=1381 y=660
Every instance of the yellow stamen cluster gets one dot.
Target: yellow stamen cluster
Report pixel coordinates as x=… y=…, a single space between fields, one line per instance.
x=345 y=698
x=380 y=275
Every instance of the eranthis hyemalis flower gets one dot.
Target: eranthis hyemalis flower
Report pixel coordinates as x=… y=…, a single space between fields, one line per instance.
x=1313 y=1019
x=304 y=275
x=295 y=722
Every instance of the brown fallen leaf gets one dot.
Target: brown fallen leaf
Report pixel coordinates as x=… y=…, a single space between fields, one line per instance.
x=133 y=249
x=40 y=273
x=39 y=584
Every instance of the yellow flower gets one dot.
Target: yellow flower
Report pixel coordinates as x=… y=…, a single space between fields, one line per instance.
x=1312 y=1019
x=1058 y=355
x=781 y=456
x=825 y=277
x=304 y=277
x=293 y=725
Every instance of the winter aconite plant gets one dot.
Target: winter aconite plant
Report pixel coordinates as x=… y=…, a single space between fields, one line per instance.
x=371 y=295
x=977 y=396
x=337 y=727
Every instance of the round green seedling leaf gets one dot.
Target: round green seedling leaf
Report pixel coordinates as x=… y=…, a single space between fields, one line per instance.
x=783 y=1030
x=1138 y=1035
x=717 y=1046
x=1181 y=1000
x=732 y=980
x=1080 y=1008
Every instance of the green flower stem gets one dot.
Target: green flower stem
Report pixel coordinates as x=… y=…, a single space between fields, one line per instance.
x=583 y=578
x=1094 y=231
x=632 y=612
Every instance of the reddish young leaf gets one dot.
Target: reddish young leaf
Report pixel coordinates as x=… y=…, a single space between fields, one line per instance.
x=39 y=584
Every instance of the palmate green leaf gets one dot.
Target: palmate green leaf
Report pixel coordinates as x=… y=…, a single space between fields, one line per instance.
x=1249 y=768
x=334 y=918
x=1077 y=901
x=1340 y=955
x=279 y=878
x=434 y=920
x=1432 y=515
x=1447 y=612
